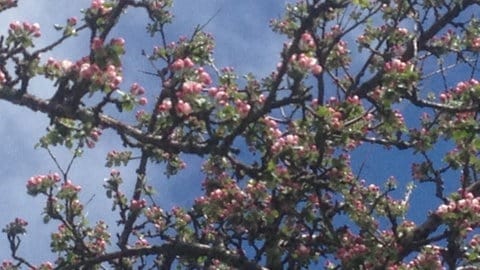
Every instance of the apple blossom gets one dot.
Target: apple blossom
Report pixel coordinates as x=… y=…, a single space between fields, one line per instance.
x=177 y=65
x=166 y=105
x=143 y=101
x=183 y=107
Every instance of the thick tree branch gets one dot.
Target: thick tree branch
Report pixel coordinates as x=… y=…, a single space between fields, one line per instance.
x=191 y=250
x=35 y=103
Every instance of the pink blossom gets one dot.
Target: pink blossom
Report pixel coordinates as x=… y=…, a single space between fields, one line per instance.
x=136 y=205
x=97 y=4
x=15 y=26
x=217 y=194
x=305 y=63
x=212 y=91
x=402 y=31
x=115 y=82
x=476 y=43
x=72 y=21
x=142 y=242
x=85 y=71
x=136 y=89
x=25 y=27
x=32 y=28
x=36 y=29
x=317 y=69
x=183 y=107
x=396 y=65
x=66 y=65
x=97 y=43
x=306 y=42
x=117 y=42
x=69 y=186
x=95 y=134
x=143 y=101
x=269 y=122
x=188 y=62
x=177 y=65
x=444 y=97
x=115 y=173
x=243 y=107
x=191 y=87
x=205 y=78
x=165 y=105
x=222 y=97
x=353 y=100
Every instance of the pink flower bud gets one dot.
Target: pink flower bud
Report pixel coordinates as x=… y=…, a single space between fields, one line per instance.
x=97 y=43
x=143 y=101
x=72 y=21
x=188 y=62
x=183 y=107
x=165 y=106
x=317 y=69
x=177 y=65
x=117 y=42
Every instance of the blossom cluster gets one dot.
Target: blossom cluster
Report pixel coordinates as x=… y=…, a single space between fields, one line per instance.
x=469 y=204
x=99 y=238
x=352 y=247
x=339 y=56
x=428 y=258
x=18 y=226
x=156 y=216
x=21 y=34
x=108 y=77
x=461 y=91
x=229 y=202
x=449 y=40
x=222 y=96
x=68 y=190
x=8 y=265
x=115 y=158
x=56 y=68
x=93 y=137
x=99 y=7
x=304 y=63
x=137 y=205
x=280 y=141
x=193 y=80
x=28 y=29
x=397 y=66
x=306 y=42
x=42 y=183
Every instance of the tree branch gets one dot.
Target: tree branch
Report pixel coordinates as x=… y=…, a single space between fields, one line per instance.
x=177 y=248
x=417 y=236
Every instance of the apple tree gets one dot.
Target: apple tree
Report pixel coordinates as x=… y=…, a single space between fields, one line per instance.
x=278 y=172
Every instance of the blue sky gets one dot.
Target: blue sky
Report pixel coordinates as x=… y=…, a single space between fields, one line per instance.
x=243 y=40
